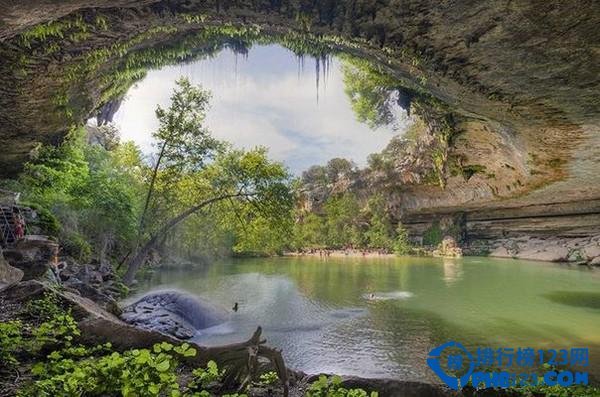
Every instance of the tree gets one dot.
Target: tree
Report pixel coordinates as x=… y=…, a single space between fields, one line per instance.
x=89 y=189
x=379 y=234
x=109 y=216
x=342 y=219
x=339 y=168
x=402 y=245
x=315 y=175
x=247 y=179
x=183 y=142
x=310 y=232
x=374 y=95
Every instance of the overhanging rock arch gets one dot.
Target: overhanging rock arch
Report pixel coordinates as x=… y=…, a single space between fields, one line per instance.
x=519 y=78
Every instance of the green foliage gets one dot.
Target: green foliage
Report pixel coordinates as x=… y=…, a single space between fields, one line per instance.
x=345 y=221
x=10 y=342
x=76 y=246
x=77 y=27
x=310 y=232
x=57 y=173
x=379 y=234
x=132 y=373
x=371 y=93
x=184 y=141
x=136 y=372
x=402 y=245
x=341 y=220
x=45 y=308
x=466 y=171
x=72 y=369
x=60 y=330
x=55 y=327
x=332 y=387
x=45 y=220
x=203 y=377
x=433 y=235
x=85 y=195
x=269 y=378
x=543 y=390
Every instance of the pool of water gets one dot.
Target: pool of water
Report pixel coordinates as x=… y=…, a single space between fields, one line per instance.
x=379 y=317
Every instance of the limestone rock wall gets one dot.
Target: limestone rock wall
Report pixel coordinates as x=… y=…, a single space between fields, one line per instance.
x=520 y=79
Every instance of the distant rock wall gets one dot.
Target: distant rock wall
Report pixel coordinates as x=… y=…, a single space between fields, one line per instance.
x=560 y=232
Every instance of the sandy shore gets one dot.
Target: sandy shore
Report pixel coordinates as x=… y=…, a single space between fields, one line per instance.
x=342 y=254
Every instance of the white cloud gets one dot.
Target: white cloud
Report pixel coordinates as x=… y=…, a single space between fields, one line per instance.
x=261 y=100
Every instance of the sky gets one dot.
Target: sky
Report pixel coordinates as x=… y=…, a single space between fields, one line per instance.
x=263 y=99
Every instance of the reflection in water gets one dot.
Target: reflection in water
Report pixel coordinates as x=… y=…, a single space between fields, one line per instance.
x=452 y=270
x=319 y=312
x=575 y=298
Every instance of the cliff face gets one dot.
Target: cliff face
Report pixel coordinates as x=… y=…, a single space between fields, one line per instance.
x=519 y=78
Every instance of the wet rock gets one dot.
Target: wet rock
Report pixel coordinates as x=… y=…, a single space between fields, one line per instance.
x=174 y=313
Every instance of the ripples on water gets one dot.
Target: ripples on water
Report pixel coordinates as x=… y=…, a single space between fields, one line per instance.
x=380 y=317
x=386 y=296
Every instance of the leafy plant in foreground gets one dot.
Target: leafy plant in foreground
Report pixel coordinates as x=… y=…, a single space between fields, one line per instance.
x=332 y=387
x=269 y=378
x=10 y=341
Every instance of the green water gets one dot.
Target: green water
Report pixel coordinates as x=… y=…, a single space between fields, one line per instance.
x=320 y=311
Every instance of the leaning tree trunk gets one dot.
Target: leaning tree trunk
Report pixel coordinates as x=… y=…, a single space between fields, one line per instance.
x=138 y=259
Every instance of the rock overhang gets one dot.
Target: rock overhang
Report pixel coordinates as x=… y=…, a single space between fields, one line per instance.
x=520 y=79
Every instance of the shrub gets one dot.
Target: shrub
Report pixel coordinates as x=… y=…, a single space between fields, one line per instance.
x=204 y=376
x=332 y=387
x=269 y=378
x=433 y=235
x=77 y=246
x=45 y=308
x=45 y=220
x=136 y=372
x=10 y=342
x=402 y=245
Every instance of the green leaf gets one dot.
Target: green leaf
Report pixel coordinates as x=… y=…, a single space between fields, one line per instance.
x=163 y=366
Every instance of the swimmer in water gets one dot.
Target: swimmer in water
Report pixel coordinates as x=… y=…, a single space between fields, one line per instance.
x=235 y=307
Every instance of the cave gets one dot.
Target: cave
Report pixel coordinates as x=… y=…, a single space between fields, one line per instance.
x=515 y=83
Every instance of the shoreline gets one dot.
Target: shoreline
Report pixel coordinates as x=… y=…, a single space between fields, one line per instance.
x=340 y=253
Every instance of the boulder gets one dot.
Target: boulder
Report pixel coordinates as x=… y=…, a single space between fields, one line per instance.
x=501 y=252
x=32 y=255
x=576 y=255
x=548 y=254
x=595 y=261
x=8 y=275
x=591 y=251
x=172 y=312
